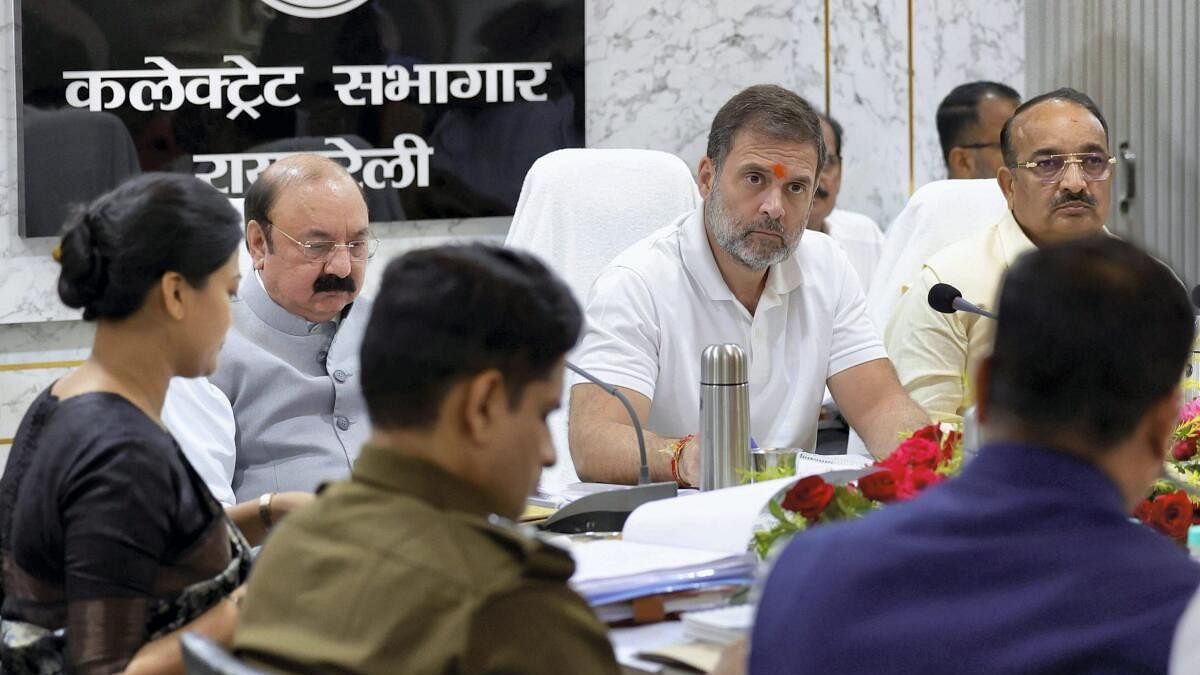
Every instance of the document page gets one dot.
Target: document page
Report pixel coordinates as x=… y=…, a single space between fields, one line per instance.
x=616 y=558
x=720 y=520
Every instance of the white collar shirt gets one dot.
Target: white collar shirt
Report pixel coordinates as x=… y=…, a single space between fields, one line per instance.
x=654 y=309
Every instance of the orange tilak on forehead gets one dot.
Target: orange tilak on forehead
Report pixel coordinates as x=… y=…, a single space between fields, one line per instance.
x=778 y=169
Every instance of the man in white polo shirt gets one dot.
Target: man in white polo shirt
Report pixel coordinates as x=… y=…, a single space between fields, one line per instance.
x=736 y=271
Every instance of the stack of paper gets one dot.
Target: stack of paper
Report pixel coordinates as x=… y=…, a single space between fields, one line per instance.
x=697 y=647
x=615 y=571
x=720 y=626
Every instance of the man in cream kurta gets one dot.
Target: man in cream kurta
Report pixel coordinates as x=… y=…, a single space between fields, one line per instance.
x=934 y=352
x=1057 y=186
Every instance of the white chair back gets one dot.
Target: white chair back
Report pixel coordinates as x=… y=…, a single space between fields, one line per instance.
x=937 y=215
x=578 y=209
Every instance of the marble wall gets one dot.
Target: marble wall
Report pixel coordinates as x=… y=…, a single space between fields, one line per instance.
x=956 y=42
x=656 y=73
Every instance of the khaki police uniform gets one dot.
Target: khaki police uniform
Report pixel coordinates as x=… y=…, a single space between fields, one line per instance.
x=402 y=570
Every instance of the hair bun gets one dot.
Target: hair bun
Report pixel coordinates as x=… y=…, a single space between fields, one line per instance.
x=83 y=278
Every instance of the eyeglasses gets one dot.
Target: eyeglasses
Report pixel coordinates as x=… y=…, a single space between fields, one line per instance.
x=360 y=250
x=1093 y=165
x=977 y=146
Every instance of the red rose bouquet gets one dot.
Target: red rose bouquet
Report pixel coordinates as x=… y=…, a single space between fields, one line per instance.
x=1168 y=509
x=923 y=459
x=926 y=458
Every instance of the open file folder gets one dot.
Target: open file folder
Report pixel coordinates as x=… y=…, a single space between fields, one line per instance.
x=612 y=571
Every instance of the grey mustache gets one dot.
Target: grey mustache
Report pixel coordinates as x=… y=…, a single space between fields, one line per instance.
x=1074 y=199
x=767 y=225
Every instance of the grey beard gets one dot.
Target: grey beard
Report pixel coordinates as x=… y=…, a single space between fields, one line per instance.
x=737 y=245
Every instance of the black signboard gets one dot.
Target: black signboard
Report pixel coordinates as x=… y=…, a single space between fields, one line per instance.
x=438 y=107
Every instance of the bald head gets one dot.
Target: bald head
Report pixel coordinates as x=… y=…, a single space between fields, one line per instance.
x=290 y=172
x=1063 y=95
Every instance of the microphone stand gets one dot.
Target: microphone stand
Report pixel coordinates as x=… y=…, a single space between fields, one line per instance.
x=608 y=511
x=947 y=299
x=964 y=306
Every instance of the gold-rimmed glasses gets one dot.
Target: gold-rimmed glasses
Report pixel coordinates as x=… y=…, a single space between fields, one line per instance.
x=1050 y=169
x=360 y=250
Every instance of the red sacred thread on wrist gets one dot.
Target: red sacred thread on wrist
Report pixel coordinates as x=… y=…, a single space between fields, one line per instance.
x=676 y=450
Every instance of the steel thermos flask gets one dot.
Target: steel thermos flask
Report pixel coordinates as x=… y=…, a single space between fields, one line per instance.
x=724 y=416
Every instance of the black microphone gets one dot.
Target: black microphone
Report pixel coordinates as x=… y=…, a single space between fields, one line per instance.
x=608 y=511
x=948 y=300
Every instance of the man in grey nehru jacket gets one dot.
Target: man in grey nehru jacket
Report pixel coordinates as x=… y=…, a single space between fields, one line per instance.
x=290 y=362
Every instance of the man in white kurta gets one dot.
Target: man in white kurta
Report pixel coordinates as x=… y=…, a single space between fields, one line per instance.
x=736 y=271
x=857 y=234
x=1057 y=185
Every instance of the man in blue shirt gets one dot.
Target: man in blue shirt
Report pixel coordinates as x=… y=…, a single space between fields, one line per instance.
x=1028 y=561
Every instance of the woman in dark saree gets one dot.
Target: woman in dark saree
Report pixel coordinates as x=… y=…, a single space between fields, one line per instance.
x=111 y=543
